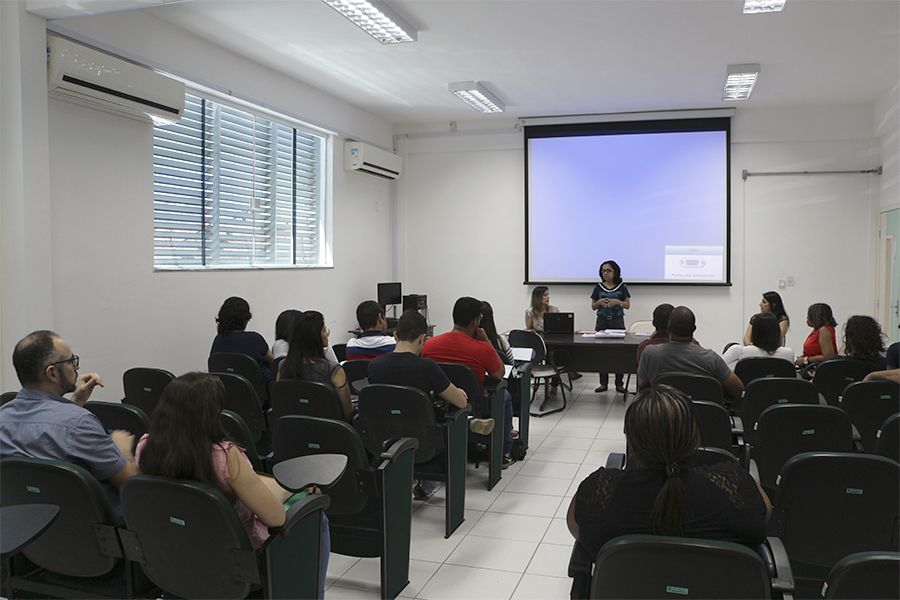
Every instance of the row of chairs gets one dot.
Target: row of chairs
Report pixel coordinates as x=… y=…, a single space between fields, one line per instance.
x=827 y=509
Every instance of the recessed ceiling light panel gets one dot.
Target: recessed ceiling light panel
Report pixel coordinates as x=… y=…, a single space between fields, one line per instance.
x=376 y=19
x=477 y=96
x=754 y=7
x=740 y=82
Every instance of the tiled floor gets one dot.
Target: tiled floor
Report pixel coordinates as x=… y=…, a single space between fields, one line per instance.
x=514 y=543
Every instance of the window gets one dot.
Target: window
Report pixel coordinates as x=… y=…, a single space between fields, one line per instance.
x=232 y=189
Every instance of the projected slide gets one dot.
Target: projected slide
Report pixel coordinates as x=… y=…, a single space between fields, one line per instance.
x=656 y=203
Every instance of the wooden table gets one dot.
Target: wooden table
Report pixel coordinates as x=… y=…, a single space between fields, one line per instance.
x=606 y=355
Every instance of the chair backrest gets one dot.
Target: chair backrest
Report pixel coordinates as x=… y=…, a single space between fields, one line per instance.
x=275 y=367
x=463 y=377
x=706 y=456
x=715 y=424
x=237 y=430
x=644 y=566
x=7 y=396
x=641 y=327
x=829 y=505
x=82 y=541
x=697 y=387
x=522 y=338
x=340 y=350
x=302 y=436
x=760 y=394
x=754 y=367
x=143 y=387
x=240 y=397
x=888 y=443
x=865 y=575
x=307 y=398
x=114 y=415
x=869 y=403
x=786 y=430
x=832 y=376
x=357 y=372
x=191 y=538
x=236 y=364
x=390 y=412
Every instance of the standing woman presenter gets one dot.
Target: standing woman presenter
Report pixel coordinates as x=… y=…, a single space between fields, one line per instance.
x=610 y=298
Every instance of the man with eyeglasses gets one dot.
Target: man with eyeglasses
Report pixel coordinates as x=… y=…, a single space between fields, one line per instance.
x=41 y=423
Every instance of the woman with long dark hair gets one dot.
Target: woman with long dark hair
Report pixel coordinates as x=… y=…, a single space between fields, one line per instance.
x=610 y=299
x=765 y=340
x=663 y=494
x=500 y=343
x=821 y=343
x=771 y=303
x=306 y=357
x=234 y=315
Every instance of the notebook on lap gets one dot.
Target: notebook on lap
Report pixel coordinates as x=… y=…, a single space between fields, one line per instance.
x=559 y=322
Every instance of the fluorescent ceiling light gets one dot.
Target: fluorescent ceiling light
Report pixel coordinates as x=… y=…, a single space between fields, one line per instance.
x=376 y=19
x=476 y=95
x=740 y=82
x=752 y=7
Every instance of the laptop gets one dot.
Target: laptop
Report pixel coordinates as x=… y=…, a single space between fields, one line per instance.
x=559 y=322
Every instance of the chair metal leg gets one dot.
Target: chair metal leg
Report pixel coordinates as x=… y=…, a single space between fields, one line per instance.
x=547 y=398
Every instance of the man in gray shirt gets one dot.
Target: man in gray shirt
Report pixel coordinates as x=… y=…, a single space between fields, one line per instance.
x=680 y=355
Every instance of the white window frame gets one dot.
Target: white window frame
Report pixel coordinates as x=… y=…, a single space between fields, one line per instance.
x=323 y=221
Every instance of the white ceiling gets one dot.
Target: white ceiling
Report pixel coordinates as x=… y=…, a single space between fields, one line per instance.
x=555 y=57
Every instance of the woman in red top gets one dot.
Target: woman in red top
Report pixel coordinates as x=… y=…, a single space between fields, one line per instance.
x=820 y=345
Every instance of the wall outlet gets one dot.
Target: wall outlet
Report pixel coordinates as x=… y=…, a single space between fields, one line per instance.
x=790 y=281
x=452 y=126
x=782 y=282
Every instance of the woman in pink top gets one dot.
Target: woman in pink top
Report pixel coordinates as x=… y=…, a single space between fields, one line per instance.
x=187 y=441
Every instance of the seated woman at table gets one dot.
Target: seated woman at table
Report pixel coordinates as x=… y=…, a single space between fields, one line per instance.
x=540 y=304
x=765 y=340
x=662 y=495
x=771 y=303
x=306 y=358
x=821 y=343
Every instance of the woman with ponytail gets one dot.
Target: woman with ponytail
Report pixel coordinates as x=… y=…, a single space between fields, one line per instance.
x=660 y=493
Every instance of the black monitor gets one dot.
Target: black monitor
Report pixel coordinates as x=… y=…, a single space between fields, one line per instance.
x=389 y=293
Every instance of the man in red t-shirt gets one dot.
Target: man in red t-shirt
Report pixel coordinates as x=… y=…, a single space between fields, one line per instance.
x=468 y=344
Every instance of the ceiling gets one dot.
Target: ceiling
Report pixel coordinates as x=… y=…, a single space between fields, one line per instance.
x=553 y=57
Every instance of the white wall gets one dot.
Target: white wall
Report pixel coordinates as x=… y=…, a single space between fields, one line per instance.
x=462 y=223
x=106 y=300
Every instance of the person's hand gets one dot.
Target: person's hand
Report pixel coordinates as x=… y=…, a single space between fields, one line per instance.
x=799 y=361
x=124 y=441
x=481 y=335
x=84 y=387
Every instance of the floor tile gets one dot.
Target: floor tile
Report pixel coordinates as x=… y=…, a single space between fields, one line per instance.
x=557 y=441
x=493 y=553
x=366 y=575
x=558 y=533
x=555 y=470
x=561 y=455
x=543 y=486
x=431 y=518
x=540 y=587
x=525 y=504
x=338 y=564
x=550 y=559
x=453 y=582
x=511 y=527
x=425 y=545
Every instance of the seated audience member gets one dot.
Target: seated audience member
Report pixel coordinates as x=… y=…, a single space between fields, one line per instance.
x=231 y=323
x=41 y=423
x=893 y=356
x=498 y=341
x=679 y=355
x=886 y=375
x=821 y=344
x=662 y=495
x=306 y=358
x=765 y=337
x=863 y=340
x=468 y=344
x=284 y=324
x=373 y=341
x=187 y=441
x=771 y=303
x=660 y=334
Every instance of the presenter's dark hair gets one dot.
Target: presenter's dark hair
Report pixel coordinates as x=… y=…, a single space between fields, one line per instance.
x=863 y=339
x=682 y=322
x=410 y=326
x=776 y=306
x=367 y=314
x=617 y=272
x=234 y=315
x=487 y=323
x=305 y=345
x=285 y=323
x=661 y=316
x=537 y=296
x=466 y=310
x=33 y=354
x=765 y=333
x=662 y=431
x=186 y=426
x=819 y=315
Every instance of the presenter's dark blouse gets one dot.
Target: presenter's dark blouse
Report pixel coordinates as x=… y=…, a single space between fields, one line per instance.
x=610 y=315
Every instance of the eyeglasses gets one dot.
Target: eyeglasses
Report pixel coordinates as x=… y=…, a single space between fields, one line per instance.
x=608 y=271
x=73 y=360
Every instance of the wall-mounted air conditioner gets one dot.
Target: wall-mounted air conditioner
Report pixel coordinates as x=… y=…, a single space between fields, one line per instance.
x=371 y=160
x=86 y=76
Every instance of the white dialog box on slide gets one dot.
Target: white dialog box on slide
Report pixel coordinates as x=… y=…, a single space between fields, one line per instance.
x=694 y=263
